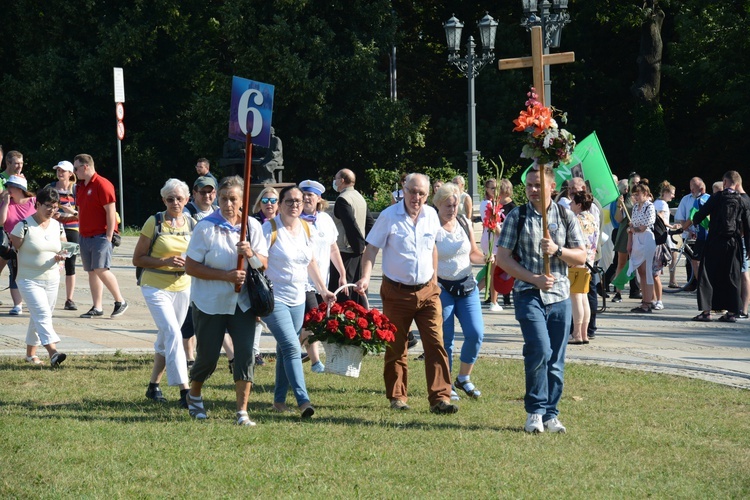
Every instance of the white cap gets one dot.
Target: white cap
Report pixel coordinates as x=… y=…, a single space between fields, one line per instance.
x=65 y=165
x=312 y=186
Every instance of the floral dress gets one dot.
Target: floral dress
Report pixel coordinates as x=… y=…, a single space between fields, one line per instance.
x=590 y=229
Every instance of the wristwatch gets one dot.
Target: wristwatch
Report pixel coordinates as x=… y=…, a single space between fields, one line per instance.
x=558 y=253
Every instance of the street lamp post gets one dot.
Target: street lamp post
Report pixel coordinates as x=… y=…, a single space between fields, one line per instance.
x=554 y=15
x=469 y=66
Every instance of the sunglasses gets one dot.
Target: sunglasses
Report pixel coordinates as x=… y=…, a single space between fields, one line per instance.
x=269 y=200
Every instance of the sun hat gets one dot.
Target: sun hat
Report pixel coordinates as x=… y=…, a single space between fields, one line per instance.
x=18 y=182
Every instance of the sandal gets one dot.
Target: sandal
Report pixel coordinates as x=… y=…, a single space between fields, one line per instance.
x=673 y=285
x=468 y=388
x=728 y=318
x=34 y=360
x=641 y=309
x=705 y=317
x=243 y=419
x=196 y=408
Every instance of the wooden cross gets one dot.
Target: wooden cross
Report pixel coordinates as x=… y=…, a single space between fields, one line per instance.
x=537 y=62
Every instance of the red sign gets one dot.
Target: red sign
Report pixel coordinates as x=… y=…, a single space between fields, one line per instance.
x=120 y=130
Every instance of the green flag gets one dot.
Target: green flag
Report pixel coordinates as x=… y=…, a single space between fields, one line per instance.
x=588 y=161
x=622 y=278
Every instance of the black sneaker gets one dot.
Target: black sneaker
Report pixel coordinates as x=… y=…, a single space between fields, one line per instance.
x=70 y=305
x=742 y=316
x=92 y=313
x=444 y=408
x=154 y=393
x=617 y=297
x=412 y=341
x=259 y=360
x=120 y=308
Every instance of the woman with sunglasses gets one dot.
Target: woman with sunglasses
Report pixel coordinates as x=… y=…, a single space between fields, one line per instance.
x=290 y=261
x=266 y=207
x=160 y=251
x=38 y=240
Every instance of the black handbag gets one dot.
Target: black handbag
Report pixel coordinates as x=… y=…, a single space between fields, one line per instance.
x=260 y=291
x=6 y=249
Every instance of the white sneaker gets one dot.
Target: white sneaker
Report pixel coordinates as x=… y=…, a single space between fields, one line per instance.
x=495 y=307
x=534 y=423
x=454 y=396
x=658 y=306
x=16 y=310
x=554 y=425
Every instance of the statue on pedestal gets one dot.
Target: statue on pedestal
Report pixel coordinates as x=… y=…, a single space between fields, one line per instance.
x=266 y=161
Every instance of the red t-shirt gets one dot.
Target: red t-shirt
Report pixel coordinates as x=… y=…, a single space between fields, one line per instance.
x=91 y=199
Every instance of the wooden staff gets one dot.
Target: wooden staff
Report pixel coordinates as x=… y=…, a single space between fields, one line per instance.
x=245 y=202
x=542 y=168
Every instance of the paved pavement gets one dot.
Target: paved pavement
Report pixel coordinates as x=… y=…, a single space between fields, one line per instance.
x=665 y=341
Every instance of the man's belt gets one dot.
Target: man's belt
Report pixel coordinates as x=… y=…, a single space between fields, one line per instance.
x=411 y=288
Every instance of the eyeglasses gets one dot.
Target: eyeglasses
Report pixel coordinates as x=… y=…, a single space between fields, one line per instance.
x=293 y=203
x=418 y=194
x=172 y=199
x=272 y=201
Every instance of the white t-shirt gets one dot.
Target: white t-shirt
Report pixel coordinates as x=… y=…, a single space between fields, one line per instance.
x=454 y=249
x=662 y=209
x=326 y=234
x=288 y=259
x=407 y=248
x=216 y=247
x=36 y=258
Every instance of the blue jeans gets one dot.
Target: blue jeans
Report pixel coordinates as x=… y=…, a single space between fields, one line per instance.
x=285 y=323
x=545 y=330
x=468 y=310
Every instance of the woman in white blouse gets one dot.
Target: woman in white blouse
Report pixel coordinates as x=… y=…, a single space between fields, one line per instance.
x=290 y=261
x=459 y=295
x=212 y=262
x=38 y=240
x=642 y=244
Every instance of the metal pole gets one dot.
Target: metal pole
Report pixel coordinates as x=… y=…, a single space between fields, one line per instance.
x=394 y=87
x=122 y=193
x=472 y=155
x=547 y=78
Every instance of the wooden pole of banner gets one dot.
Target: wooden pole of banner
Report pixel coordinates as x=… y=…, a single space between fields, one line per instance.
x=536 y=62
x=245 y=201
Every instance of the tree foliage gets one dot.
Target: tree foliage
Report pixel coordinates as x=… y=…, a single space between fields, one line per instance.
x=329 y=63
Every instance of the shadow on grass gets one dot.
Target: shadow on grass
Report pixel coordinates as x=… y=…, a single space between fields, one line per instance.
x=96 y=410
x=92 y=364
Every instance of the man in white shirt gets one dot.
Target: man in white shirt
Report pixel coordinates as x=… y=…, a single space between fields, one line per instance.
x=406 y=232
x=687 y=203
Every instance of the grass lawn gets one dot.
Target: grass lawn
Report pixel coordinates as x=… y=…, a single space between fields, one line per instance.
x=87 y=430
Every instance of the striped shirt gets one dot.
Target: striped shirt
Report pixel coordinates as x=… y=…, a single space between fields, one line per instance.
x=527 y=246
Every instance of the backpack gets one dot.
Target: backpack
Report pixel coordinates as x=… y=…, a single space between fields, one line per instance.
x=465 y=225
x=305 y=226
x=660 y=230
x=728 y=210
x=159 y=216
x=563 y=213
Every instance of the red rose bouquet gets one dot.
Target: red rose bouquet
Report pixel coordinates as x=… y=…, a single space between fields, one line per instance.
x=350 y=324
